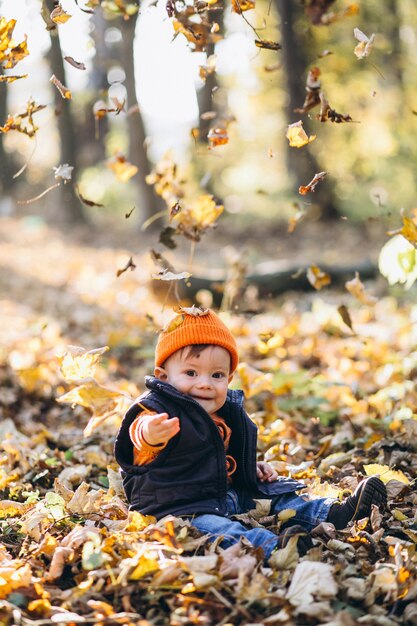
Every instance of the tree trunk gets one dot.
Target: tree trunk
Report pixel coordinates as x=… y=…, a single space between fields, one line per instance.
x=301 y=163
x=149 y=202
x=72 y=208
x=6 y=176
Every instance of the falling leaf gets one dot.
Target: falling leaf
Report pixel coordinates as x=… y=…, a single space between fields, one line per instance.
x=398 y=261
x=408 y=230
x=239 y=6
x=10 y=54
x=16 y=122
x=313 y=86
x=167 y=275
x=129 y=213
x=78 y=364
x=59 y=16
x=364 y=47
x=345 y=315
x=93 y=396
x=297 y=135
x=311 y=186
x=11 y=79
x=74 y=63
x=194 y=311
x=317 y=278
x=64 y=172
x=267 y=45
x=385 y=473
x=86 y=201
x=64 y=91
x=129 y=266
x=329 y=114
x=217 y=137
x=209 y=67
x=122 y=169
x=357 y=289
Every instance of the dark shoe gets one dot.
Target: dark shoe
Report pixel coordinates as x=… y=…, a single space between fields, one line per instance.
x=359 y=505
x=304 y=542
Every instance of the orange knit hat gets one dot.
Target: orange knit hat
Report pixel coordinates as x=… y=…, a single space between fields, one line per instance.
x=195 y=326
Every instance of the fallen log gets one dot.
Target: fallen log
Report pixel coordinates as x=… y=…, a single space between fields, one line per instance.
x=271 y=279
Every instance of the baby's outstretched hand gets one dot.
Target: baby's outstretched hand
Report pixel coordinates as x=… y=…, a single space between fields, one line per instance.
x=265 y=472
x=159 y=428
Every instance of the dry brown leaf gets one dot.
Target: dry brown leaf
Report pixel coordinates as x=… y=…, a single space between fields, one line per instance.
x=357 y=289
x=317 y=278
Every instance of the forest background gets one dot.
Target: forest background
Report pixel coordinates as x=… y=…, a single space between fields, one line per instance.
x=259 y=157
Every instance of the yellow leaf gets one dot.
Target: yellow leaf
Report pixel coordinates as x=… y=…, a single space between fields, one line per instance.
x=385 y=473
x=122 y=169
x=59 y=16
x=286 y=514
x=317 y=278
x=238 y=6
x=408 y=230
x=146 y=565
x=253 y=381
x=138 y=522
x=10 y=54
x=201 y=214
x=91 y=395
x=77 y=364
x=357 y=289
x=398 y=515
x=297 y=136
x=10 y=508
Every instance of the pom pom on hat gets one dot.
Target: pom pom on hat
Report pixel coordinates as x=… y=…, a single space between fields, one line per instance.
x=195 y=326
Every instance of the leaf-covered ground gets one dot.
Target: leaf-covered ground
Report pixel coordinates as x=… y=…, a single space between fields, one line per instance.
x=332 y=405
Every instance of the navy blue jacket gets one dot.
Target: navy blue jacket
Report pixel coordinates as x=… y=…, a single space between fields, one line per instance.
x=189 y=475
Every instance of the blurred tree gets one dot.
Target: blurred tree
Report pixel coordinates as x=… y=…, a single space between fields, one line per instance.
x=206 y=102
x=6 y=176
x=149 y=202
x=301 y=163
x=71 y=205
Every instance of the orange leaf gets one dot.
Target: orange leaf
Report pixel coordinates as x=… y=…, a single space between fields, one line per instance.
x=122 y=169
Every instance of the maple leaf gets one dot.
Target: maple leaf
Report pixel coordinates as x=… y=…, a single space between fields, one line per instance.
x=364 y=47
x=122 y=169
x=357 y=289
x=297 y=136
x=317 y=278
x=78 y=364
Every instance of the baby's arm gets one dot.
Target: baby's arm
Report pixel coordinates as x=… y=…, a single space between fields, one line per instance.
x=265 y=472
x=143 y=450
x=159 y=429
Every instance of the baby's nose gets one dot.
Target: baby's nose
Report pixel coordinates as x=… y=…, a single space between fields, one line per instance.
x=204 y=381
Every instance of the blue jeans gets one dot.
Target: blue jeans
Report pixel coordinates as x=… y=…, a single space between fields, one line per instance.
x=309 y=513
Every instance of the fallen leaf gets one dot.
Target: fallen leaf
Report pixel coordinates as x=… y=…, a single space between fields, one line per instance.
x=311 y=580
x=385 y=473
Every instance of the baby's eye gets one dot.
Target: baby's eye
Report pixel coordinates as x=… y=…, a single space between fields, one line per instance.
x=190 y=373
x=218 y=375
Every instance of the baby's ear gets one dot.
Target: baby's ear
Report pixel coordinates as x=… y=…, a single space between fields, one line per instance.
x=230 y=378
x=160 y=373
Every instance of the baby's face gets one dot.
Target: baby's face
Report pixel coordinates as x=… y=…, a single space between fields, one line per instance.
x=204 y=377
